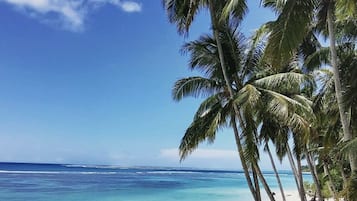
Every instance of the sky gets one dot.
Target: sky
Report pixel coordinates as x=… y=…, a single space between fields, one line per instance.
x=89 y=82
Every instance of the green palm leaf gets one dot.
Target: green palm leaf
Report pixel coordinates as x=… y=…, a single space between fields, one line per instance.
x=181 y=13
x=283 y=106
x=317 y=59
x=287 y=83
x=288 y=31
x=203 y=128
x=346 y=9
x=247 y=95
x=203 y=56
x=350 y=146
x=236 y=8
x=208 y=104
x=193 y=86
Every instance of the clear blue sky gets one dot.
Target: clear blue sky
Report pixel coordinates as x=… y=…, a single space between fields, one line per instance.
x=90 y=82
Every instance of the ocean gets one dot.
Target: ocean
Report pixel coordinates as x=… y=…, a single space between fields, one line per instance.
x=62 y=182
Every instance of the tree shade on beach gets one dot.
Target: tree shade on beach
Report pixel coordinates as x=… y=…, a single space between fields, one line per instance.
x=281 y=87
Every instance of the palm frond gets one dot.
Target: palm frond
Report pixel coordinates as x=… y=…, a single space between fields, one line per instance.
x=276 y=5
x=248 y=95
x=318 y=59
x=254 y=51
x=288 y=31
x=307 y=103
x=346 y=9
x=299 y=124
x=283 y=106
x=309 y=45
x=208 y=104
x=249 y=135
x=288 y=83
x=235 y=8
x=201 y=129
x=181 y=13
x=194 y=86
x=350 y=146
x=203 y=55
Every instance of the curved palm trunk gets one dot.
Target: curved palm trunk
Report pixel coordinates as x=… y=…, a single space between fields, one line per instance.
x=347 y=135
x=295 y=172
x=264 y=182
x=256 y=184
x=301 y=181
x=313 y=171
x=230 y=90
x=244 y=164
x=275 y=171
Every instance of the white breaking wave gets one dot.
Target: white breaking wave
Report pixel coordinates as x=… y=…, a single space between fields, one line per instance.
x=51 y=172
x=97 y=166
x=171 y=172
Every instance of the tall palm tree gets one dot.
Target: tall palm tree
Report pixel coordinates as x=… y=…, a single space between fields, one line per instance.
x=254 y=90
x=277 y=130
x=267 y=133
x=183 y=12
x=204 y=57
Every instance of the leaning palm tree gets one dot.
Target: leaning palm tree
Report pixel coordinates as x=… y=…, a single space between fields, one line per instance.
x=267 y=132
x=298 y=120
x=254 y=90
x=182 y=14
x=210 y=115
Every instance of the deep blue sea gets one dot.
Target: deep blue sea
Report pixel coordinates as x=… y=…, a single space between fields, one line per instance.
x=57 y=182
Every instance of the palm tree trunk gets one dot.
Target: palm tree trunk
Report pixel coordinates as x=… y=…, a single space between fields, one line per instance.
x=241 y=156
x=312 y=168
x=226 y=78
x=347 y=134
x=264 y=182
x=256 y=184
x=275 y=171
x=293 y=168
x=301 y=181
x=331 y=186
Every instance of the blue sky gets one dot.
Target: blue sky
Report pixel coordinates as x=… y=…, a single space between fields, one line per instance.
x=90 y=82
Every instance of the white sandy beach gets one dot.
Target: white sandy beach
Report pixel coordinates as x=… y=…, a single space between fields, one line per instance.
x=291 y=195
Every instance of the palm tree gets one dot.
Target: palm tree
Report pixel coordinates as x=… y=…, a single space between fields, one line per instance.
x=328 y=111
x=294 y=22
x=204 y=57
x=267 y=133
x=277 y=129
x=182 y=13
x=256 y=91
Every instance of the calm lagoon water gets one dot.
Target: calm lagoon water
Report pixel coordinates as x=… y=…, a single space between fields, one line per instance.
x=56 y=182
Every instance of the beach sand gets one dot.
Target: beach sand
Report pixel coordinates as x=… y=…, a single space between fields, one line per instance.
x=291 y=195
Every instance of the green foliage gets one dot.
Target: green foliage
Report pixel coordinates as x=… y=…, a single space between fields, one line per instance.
x=326 y=191
x=283 y=87
x=194 y=86
x=288 y=31
x=181 y=13
x=305 y=168
x=352 y=188
x=310 y=188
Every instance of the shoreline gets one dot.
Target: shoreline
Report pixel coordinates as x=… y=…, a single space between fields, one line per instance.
x=290 y=195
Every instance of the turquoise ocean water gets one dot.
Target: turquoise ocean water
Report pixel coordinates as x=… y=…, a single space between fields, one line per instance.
x=56 y=182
